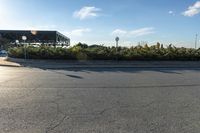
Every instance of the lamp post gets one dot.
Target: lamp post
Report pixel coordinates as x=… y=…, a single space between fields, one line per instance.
x=24 y=38
x=16 y=42
x=196 y=41
x=117 y=42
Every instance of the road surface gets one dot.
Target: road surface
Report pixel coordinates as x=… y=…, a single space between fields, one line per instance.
x=103 y=100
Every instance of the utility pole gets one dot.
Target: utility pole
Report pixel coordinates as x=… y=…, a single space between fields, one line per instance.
x=196 y=41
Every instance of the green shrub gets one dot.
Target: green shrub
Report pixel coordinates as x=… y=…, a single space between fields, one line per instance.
x=99 y=52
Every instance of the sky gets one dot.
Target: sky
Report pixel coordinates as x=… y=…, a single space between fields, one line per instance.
x=100 y=21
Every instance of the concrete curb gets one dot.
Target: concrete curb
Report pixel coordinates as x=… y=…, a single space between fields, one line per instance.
x=5 y=63
x=69 y=64
x=2 y=65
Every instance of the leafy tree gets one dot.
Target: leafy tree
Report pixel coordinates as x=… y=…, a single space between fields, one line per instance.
x=4 y=43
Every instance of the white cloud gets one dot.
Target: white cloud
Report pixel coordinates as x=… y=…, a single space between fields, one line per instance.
x=171 y=13
x=143 y=31
x=78 y=32
x=87 y=12
x=192 y=10
x=119 y=32
x=135 y=33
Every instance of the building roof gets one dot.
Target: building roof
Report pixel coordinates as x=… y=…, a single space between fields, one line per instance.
x=34 y=36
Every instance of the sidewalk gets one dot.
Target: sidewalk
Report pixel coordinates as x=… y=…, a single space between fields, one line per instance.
x=64 y=64
x=4 y=62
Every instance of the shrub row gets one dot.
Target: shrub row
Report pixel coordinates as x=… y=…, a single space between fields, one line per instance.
x=97 y=52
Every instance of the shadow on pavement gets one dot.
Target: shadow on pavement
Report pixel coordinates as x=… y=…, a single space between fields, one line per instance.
x=131 y=70
x=171 y=70
x=74 y=76
x=167 y=67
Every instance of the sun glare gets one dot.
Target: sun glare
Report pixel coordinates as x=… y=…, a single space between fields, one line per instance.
x=2 y=8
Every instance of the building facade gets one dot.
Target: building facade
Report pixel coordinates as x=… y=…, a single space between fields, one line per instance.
x=35 y=37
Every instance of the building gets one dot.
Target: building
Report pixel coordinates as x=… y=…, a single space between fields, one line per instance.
x=35 y=37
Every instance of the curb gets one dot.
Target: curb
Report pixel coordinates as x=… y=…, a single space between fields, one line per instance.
x=5 y=63
x=2 y=65
x=69 y=64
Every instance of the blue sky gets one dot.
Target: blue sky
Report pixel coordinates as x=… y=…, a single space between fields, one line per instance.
x=100 y=21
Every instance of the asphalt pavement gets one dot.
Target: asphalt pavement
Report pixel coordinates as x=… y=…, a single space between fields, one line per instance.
x=99 y=100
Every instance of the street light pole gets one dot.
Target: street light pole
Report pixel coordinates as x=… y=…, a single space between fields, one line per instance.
x=117 y=42
x=196 y=39
x=24 y=38
x=16 y=42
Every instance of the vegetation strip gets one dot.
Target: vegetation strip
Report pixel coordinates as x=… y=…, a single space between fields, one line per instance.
x=99 y=52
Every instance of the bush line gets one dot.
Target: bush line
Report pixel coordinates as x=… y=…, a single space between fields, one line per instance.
x=99 y=52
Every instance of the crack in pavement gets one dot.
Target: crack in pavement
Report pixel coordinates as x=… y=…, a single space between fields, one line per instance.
x=53 y=124
x=66 y=117
x=51 y=128
x=58 y=111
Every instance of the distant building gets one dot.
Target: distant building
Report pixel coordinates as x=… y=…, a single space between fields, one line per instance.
x=35 y=37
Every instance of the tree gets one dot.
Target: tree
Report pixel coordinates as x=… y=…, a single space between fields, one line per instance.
x=82 y=45
x=4 y=43
x=158 y=45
